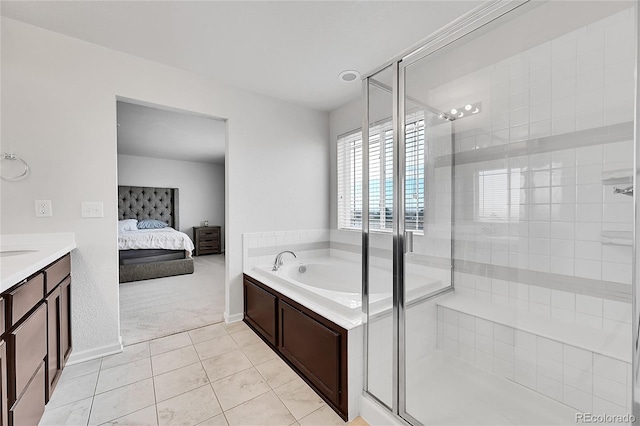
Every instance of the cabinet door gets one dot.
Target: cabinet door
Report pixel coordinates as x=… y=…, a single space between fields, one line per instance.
x=313 y=348
x=4 y=400
x=54 y=364
x=27 y=348
x=65 y=321
x=29 y=408
x=260 y=310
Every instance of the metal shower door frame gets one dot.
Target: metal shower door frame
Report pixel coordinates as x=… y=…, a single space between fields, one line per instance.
x=456 y=30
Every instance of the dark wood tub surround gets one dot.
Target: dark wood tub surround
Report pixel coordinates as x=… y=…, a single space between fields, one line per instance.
x=35 y=324
x=315 y=347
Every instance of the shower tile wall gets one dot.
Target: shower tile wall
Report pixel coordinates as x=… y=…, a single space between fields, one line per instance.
x=549 y=206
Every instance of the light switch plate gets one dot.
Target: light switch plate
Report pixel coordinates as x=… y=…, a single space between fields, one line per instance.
x=92 y=209
x=43 y=208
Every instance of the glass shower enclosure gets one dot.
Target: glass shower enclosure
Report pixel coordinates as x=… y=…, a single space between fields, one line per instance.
x=498 y=249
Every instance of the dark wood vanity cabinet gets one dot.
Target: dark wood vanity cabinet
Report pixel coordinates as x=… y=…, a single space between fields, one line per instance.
x=4 y=399
x=36 y=342
x=311 y=344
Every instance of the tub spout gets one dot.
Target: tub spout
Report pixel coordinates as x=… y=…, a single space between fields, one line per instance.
x=278 y=262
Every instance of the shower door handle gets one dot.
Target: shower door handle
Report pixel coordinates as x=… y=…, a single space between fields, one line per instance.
x=408 y=241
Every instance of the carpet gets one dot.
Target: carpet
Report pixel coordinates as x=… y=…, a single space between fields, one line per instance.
x=156 y=308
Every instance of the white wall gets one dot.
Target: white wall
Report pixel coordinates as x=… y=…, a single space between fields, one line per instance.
x=201 y=186
x=59 y=113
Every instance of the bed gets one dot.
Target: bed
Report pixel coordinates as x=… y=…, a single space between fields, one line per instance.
x=153 y=253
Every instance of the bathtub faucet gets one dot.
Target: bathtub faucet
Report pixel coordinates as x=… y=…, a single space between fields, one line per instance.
x=278 y=263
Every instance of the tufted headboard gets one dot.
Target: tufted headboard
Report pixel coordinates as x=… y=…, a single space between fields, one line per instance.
x=143 y=202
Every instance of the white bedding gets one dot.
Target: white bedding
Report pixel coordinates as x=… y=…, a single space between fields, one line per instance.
x=164 y=238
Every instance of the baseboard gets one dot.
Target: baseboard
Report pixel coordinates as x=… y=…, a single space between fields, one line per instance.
x=77 y=357
x=233 y=318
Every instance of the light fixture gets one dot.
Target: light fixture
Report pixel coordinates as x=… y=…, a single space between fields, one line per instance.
x=349 y=76
x=459 y=112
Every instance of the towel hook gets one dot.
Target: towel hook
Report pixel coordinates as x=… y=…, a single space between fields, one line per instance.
x=12 y=157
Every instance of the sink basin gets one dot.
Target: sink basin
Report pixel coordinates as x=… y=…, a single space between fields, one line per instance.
x=9 y=253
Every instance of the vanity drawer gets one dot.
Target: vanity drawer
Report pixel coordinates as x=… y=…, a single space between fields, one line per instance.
x=29 y=409
x=27 y=346
x=57 y=272
x=24 y=298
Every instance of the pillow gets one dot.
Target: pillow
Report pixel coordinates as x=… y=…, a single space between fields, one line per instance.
x=152 y=224
x=127 y=225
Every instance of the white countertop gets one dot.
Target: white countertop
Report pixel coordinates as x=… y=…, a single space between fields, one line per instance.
x=43 y=249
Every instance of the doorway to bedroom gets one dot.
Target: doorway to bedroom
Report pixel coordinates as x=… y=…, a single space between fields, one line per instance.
x=171 y=215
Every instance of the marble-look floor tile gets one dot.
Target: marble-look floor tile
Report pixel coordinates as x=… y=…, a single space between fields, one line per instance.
x=73 y=390
x=219 y=420
x=234 y=327
x=209 y=332
x=324 y=416
x=169 y=343
x=216 y=346
x=179 y=381
x=189 y=408
x=76 y=413
x=264 y=410
x=276 y=372
x=299 y=398
x=129 y=354
x=226 y=364
x=358 y=421
x=259 y=353
x=122 y=401
x=145 y=417
x=245 y=338
x=81 y=369
x=239 y=387
x=172 y=360
x=124 y=374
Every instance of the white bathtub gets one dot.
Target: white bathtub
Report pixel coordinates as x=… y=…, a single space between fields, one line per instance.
x=336 y=284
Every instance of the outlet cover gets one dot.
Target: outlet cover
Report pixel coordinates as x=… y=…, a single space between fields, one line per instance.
x=92 y=209
x=43 y=208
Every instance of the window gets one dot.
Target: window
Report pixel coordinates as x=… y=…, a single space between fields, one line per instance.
x=381 y=176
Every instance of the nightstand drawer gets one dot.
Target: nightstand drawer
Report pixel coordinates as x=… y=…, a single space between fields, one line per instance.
x=208 y=234
x=207 y=244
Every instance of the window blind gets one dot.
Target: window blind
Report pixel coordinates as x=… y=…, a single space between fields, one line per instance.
x=381 y=176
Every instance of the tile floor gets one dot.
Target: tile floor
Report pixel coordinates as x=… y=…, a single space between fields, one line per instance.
x=215 y=375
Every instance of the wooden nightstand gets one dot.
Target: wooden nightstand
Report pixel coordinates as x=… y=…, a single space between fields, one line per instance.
x=207 y=240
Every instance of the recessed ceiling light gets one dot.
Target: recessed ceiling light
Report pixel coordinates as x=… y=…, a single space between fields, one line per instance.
x=349 y=76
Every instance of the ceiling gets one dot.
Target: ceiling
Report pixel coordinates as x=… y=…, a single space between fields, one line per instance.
x=152 y=132
x=290 y=50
